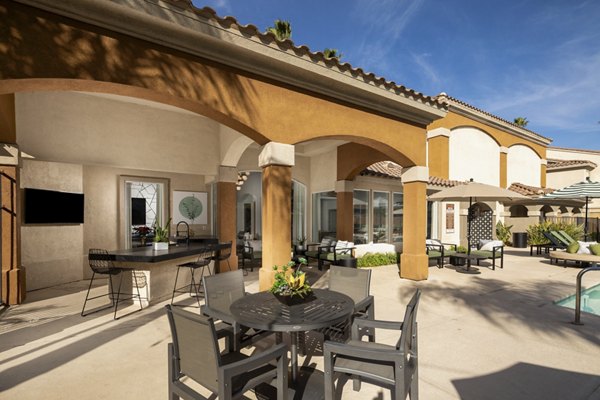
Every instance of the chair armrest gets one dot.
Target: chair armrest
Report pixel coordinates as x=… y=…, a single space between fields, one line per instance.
x=217 y=315
x=368 y=354
x=255 y=361
x=437 y=247
x=359 y=324
x=308 y=245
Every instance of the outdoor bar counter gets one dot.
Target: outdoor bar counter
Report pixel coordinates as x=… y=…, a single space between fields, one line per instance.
x=156 y=269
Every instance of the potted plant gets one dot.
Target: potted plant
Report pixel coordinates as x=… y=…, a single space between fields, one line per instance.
x=300 y=246
x=290 y=285
x=161 y=235
x=143 y=232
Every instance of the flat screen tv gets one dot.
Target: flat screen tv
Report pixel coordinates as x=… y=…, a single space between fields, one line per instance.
x=138 y=211
x=52 y=207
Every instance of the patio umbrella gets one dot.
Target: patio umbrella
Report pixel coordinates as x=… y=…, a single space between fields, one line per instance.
x=581 y=190
x=475 y=192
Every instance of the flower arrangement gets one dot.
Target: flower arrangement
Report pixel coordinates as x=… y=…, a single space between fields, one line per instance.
x=143 y=231
x=290 y=282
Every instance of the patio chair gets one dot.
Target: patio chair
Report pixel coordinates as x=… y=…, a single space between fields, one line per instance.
x=436 y=250
x=101 y=264
x=560 y=238
x=320 y=250
x=203 y=262
x=567 y=237
x=220 y=291
x=556 y=244
x=356 y=284
x=391 y=367
x=222 y=254
x=492 y=252
x=194 y=355
x=245 y=252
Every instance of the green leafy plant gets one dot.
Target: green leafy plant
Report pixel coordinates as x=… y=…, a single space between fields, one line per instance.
x=290 y=282
x=376 y=259
x=461 y=249
x=535 y=233
x=503 y=233
x=301 y=240
x=161 y=233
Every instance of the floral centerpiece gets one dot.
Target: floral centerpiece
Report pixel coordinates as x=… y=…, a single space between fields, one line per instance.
x=143 y=232
x=290 y=285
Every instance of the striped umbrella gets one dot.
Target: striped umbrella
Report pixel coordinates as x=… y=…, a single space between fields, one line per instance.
x=581 y=190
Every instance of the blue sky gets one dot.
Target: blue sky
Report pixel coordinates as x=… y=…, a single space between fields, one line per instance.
x=538 y=59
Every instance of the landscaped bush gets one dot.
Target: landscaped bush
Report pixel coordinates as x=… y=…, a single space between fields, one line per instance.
x=377 y=259
x=535 y=233
x=503 y=233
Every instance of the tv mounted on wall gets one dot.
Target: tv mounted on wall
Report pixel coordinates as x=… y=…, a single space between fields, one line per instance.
x=52 y=207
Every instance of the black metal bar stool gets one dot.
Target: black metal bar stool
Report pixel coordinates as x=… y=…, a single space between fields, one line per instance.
x=223 y=253
x=203 y=261
x=100 y=263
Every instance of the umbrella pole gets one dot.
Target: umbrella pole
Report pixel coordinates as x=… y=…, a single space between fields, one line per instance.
x=585 y=229
x=469 y=226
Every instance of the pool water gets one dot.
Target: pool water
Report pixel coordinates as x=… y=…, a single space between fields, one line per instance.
x=590 y=300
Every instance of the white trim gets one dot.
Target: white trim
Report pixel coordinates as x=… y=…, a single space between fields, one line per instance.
x=274 y=153
x=415 y=174
x=503 y=149
x=543 y=162
x=438 y=132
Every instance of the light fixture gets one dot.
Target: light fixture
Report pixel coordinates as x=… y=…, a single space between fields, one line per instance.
x=241 y=178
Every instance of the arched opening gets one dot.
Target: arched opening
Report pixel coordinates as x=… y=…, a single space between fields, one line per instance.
x=518 y=211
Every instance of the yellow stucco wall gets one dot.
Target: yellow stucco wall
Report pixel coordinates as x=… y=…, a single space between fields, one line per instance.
x=439 y=156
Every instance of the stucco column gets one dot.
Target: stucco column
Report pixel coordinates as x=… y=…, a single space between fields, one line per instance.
x=345 y=210
x=543 y=166
x=226 y=213
x=414 y=261
x=438 y=152
x=504 y=167
x=276 y=161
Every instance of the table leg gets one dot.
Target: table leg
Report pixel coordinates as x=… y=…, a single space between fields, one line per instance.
x=294 y=355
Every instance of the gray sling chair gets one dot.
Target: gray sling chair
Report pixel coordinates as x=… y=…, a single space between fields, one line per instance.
x=355 y=283
x=194 y=354
x=391 y=367
x=220 y=291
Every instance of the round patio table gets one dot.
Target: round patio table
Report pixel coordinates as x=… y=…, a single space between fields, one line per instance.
x=264 y=312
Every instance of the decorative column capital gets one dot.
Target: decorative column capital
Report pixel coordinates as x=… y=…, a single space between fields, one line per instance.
x=415 y=174
x=543 y=161
x=344 y=186
x=274 y=153
x=227 y=174
x=438 y=132
x=504 y=149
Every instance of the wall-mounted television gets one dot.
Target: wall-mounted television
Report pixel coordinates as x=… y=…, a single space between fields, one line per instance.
x=52 y=207
x=138 y=211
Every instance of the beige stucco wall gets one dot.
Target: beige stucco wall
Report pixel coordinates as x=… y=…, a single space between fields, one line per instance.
x=523 y=166
x=323 y=172
x=88 y=129
x=474 y=154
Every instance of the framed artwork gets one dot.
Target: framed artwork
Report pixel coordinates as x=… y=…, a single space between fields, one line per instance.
x=191 y=207
x=449 y=218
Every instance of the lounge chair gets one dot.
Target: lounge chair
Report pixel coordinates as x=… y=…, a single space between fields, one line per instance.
x=560 y=238
x=490 y=251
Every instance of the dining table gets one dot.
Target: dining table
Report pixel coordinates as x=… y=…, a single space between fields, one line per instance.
x=263 y=311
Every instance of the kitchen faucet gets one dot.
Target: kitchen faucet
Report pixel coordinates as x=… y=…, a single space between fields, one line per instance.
x=186 y=231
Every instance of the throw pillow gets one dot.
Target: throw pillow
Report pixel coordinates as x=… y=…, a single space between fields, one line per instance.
x=583 y=247
x=595 y=249
x=489 y=246
x=572 y=248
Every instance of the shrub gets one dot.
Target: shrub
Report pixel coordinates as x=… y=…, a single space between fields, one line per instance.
x=535 y=233
x=503 y=233
x=377 y=259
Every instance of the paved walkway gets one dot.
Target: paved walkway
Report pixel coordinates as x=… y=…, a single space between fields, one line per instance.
x=495 y=335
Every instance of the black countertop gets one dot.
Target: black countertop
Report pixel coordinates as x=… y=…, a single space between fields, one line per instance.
x=149 y=255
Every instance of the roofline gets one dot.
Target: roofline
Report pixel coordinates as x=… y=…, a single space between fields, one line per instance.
x=179 y=25
x=467 y=110
x=587 y=165
x=595 y=152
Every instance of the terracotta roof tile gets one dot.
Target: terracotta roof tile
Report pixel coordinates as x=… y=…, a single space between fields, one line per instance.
x=445 y=98
x=391 y=170
x=560 y=164
x=434 y=180
x=530 y=191
x=304 y=52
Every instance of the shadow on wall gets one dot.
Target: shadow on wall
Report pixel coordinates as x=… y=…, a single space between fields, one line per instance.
x=529 y=381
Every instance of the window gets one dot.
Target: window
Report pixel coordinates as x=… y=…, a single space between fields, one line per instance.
x=397 y=216
x=298 y=211
x=324 y=215
x=381 y=205
x=143 y=201
x=361 y=216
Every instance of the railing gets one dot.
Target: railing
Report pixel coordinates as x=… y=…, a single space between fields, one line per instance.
x=578 y=293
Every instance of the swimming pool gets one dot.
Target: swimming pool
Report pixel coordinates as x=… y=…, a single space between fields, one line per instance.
x=590 y=300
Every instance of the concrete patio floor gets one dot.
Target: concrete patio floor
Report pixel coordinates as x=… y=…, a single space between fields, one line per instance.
x=495 y=335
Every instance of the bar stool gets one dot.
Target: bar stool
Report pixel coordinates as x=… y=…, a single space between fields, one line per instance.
x=100 y=263
x=223 y=253
x=204 y=259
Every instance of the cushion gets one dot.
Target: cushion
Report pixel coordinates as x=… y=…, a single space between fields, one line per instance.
x=433 y=241
x=489 y=246
x=595 y=249
x=341 y=244
x=583 y=247
x=572 y=248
